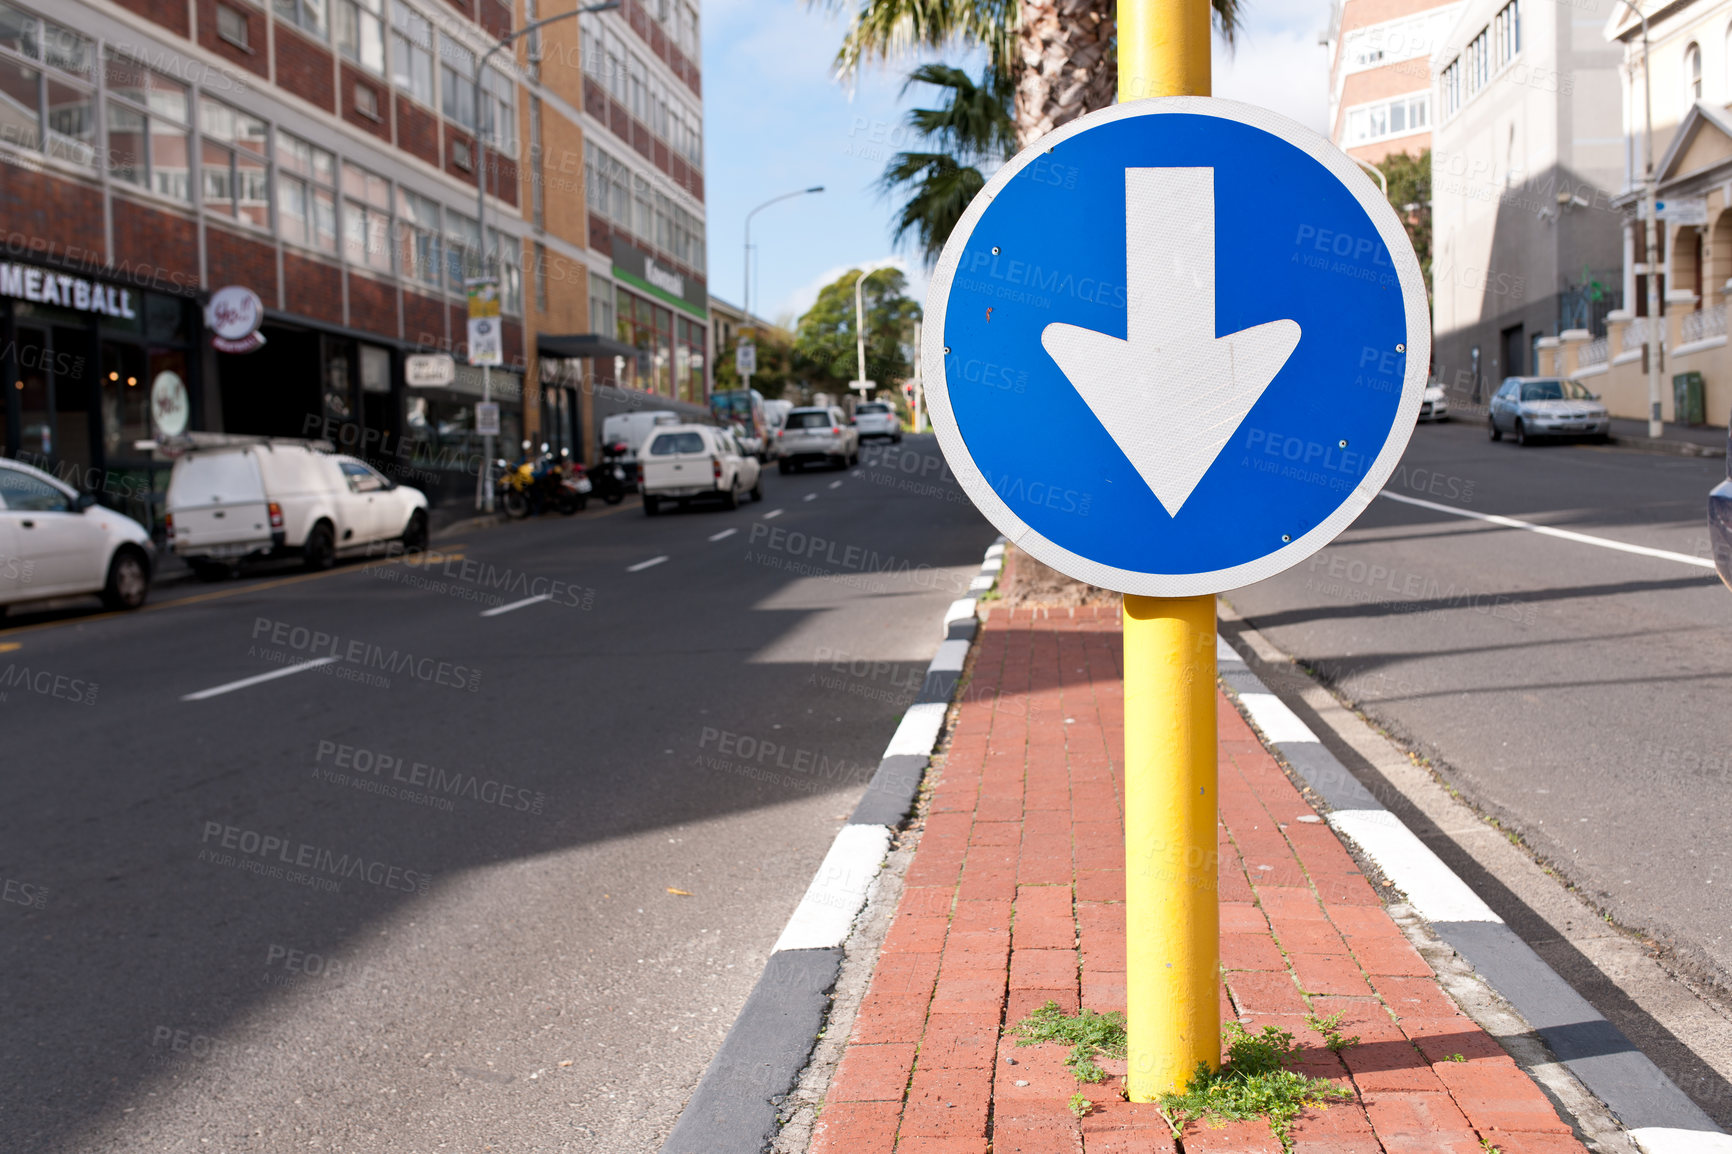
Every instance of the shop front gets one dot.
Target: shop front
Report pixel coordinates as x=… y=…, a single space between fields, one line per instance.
x=664 y=315
x=84 y=358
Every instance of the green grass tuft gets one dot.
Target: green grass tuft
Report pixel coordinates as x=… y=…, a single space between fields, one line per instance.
x=1256 y=1081
x=1088 y=1034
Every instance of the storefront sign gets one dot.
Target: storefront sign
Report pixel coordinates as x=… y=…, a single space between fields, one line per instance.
x=170 y=407
x=69 y=292
x=637 y=268
x=485 y=346
x=429 y=370
x=233 y=316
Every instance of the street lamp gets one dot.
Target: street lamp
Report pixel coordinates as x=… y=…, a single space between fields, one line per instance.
x=1650 y=338
x=482 y=137
x=860 y=330
x=746 y=273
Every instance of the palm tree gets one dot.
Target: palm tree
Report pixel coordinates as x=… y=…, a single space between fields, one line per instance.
x=971 y=128
x=1058 y=54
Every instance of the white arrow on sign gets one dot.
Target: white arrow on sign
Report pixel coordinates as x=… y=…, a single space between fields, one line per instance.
x=1172 y=393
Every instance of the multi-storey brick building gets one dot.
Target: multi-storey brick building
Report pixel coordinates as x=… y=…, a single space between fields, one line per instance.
x=1380 y=73
x=325 y=154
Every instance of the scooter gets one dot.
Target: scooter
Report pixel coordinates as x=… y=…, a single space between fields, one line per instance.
x=611 y=479
x=559 y=483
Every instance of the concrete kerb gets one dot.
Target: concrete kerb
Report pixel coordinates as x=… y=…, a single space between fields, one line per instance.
x=736 y=1106
x=1658 y=1116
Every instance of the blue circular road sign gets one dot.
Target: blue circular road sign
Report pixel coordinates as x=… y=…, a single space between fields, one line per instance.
x=1176 y=346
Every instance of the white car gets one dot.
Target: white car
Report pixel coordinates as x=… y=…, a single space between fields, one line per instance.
x=55 y=542
x=877 y=419
x=685 y=462
x=816 y=435
x=1435 y=405
x=633 y=429
x=231 y=502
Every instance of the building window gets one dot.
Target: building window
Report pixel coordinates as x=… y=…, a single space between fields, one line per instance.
x=461 y=155
x=411 y=52
x=148 y=128
x=540 y=277
x=688 y=30
x=366 y=219
x=600 y=307
x=232 y=27
x=1693 y=73
x=537 y=178
x=417 y=237
x=1479 y=62
x=361 y=33
x=306 y=194
x=508 y=255
x=1388 y=118
x=366 y=101
x=234 y=176
x=1506 y=29
x=462 y=249
x=53 y=108
x=532 y=13
x=306 y=14
x=1449 y=88
x=499 y=109
x=456 y=91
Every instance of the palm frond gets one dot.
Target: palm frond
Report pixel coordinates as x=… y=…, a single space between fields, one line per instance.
x=883 y=30
x=938 y=191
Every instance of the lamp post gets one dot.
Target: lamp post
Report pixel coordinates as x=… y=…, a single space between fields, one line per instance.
x=860 y=331
x=1650 y=337
x=746 y=266
x=482 y=136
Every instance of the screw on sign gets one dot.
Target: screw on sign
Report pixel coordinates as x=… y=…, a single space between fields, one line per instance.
x=1217 y=322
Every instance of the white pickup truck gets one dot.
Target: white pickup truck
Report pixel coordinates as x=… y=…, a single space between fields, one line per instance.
x=229 y=503
x=685 y=462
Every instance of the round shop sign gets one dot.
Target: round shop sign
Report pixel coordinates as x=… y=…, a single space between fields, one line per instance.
x=170 y=407
x=234 y=315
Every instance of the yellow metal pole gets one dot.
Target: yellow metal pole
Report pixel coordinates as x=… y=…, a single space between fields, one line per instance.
x=1172 y=911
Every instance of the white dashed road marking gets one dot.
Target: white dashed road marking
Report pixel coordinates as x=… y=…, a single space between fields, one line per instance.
x=498 y=609
x=772 y=513
x=642 y=565
x=723 y=533
x=244 y=682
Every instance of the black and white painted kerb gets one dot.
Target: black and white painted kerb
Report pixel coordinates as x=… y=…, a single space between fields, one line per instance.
x=1658 y=1115
x=734 y=1108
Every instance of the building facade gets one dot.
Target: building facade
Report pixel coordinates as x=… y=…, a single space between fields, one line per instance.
x=1380 y=73
x=1689 y=64
x=326 y=155
x=1526 y=158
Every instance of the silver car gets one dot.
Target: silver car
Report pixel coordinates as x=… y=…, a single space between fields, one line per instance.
x=1529 y=408
x=817 y=436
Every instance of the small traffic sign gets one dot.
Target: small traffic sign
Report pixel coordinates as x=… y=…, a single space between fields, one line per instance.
x=1176 y=346
x=745 y=358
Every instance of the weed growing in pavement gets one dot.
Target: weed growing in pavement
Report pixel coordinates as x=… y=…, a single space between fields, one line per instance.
x=1079 y=1105
x=1087 y=1034
x=1256 y=1081
x=1330 y=1028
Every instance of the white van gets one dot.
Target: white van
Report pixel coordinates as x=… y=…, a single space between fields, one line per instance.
x=228 y=503
x=634 y=428
x=683 y=462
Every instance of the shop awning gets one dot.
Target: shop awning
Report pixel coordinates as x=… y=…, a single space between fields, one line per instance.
x=582 y=345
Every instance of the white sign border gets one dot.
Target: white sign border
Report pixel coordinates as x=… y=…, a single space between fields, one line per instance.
x=1418 y=352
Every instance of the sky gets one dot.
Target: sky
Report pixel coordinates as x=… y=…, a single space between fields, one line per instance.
x=777 y=120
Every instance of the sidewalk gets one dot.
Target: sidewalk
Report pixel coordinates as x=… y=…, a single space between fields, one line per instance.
x=1015 y=896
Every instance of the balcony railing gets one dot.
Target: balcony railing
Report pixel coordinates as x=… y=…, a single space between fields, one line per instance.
x=1703 y=324
x=1595 y=352
x=1635 y=334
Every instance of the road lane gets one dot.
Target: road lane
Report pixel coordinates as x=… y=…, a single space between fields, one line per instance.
x=568 y=834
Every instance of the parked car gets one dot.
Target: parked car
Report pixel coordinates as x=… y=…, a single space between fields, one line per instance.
x=816 y=435
x=686 y=462
x=1435 y=404
x=633 y=429
x=877 y=419
x=1532 y=407
x=742 y=410
x=57 y=542
x=268 y=498
x=1720 y=521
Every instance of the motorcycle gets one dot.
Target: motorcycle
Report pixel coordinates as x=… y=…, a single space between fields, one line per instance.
x=545 y=483
x=611 y=479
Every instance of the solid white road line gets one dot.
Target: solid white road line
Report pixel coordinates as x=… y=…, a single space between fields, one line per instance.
x=825 y=915
x=1272 y=716
x=1567 y=535
x=219 y=690
x=835 y=484
x=642 y=565
x=810 y=497
x=722 y=534
x=498 y=609
x=1431 y=887
x=772 y=513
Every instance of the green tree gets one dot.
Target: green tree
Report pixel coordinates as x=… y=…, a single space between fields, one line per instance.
x=971 y=127
x=1409 y=180
x=824 y=350
x=775 y=370
x=1059 y=57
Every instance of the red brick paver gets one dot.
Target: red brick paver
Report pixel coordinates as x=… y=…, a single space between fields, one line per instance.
x=1016 y=897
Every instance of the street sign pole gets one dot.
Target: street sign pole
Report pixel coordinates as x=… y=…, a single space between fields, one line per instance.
x=1172 y=910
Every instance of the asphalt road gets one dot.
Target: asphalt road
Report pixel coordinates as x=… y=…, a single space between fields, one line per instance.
x=477 y=882
x=1576 y=693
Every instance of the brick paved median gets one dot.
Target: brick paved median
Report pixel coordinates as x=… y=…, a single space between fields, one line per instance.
x=1016 y=897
